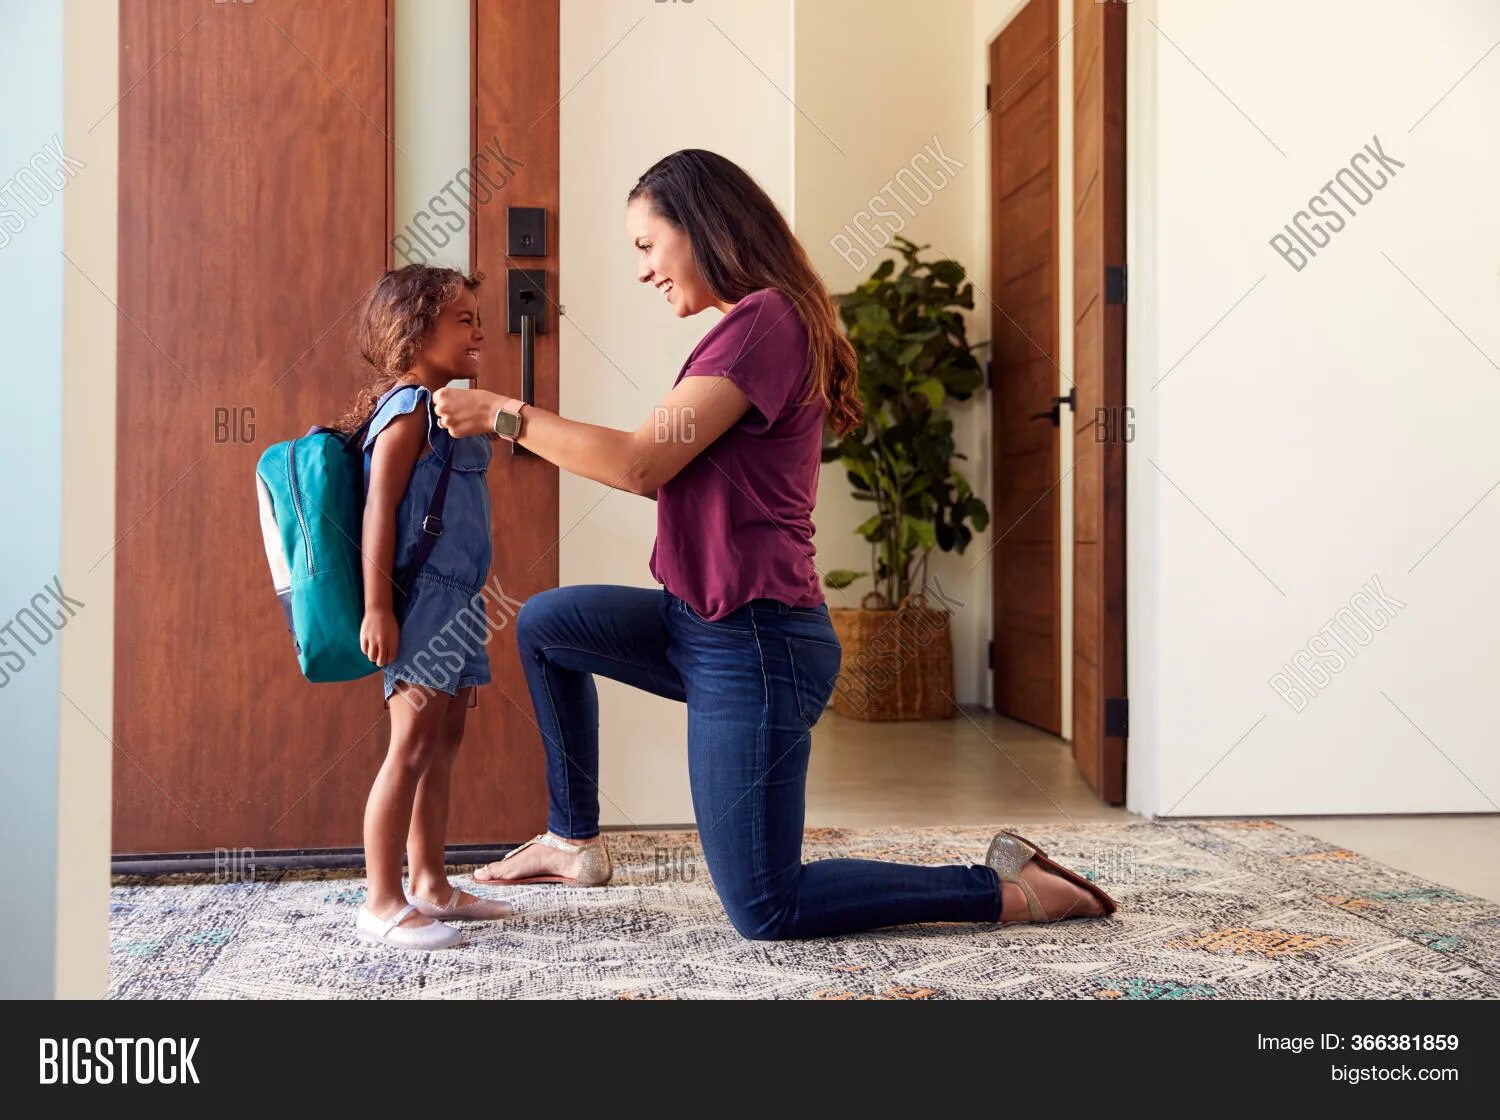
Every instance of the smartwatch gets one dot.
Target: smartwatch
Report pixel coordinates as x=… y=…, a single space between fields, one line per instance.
x=508 y=418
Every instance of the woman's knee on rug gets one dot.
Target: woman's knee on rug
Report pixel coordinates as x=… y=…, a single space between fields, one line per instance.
x=759 y=916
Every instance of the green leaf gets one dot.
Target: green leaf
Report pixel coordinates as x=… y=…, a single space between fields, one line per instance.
x=933 y=390
x=873 y=317
x=924 y=532
x=909 y=353
x=949 y=272
x=872 y=527
x=978 y=514
x=840 y=578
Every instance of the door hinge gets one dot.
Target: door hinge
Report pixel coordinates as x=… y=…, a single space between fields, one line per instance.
x=987 y=97
x=1114 y=283
x=990 y=656
x=1117 y=718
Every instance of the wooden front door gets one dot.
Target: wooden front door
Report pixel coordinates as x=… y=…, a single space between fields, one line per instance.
x=1024 y=326
x=1103 y=424
x=255 y=210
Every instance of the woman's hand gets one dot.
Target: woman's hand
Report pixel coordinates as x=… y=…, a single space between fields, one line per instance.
x=466 y=412
x=379 y=635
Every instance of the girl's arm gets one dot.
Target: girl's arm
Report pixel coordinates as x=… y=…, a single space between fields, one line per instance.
x=694 y=414
x=396 y=452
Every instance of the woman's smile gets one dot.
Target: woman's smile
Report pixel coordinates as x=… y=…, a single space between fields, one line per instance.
x=666 y=261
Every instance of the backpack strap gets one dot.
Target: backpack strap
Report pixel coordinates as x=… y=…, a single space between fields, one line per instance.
x=432 y=523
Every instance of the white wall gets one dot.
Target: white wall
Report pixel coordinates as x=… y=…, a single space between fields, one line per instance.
x=1332 y=427
x=714 y=74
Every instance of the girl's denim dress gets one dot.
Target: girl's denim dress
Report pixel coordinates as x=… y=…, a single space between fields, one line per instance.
x=444 y=624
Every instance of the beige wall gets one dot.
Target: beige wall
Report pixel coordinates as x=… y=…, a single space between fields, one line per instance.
x=875 y=88
x=706 y=75
x=91 y=70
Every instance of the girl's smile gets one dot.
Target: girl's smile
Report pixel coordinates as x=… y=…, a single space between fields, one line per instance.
x=456 y=346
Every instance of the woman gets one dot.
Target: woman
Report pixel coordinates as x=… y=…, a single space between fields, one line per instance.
x=739 y=631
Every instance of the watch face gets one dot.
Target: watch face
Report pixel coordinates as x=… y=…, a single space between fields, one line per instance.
x=507 y=423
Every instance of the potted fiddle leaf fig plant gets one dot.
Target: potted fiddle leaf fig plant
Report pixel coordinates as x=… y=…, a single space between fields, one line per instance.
x=907 y=328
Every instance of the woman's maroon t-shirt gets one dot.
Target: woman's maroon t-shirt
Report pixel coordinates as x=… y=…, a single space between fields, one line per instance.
x=735 y=524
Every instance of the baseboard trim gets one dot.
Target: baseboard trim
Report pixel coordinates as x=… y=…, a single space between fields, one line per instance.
x=236 y=863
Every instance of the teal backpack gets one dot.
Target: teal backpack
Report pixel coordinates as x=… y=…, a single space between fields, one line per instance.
x=311 y=494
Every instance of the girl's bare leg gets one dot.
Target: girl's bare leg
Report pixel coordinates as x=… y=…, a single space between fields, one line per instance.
x=418 y=731
x=429 y=821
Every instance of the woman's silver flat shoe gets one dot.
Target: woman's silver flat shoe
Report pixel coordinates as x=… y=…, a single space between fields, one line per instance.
x=1008 y=853
x=594 y=868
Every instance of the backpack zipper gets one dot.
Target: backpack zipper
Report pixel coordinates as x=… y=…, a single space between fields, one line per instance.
x=291 y=474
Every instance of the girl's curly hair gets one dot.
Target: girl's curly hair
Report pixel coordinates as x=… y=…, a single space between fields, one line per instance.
x=396 y=318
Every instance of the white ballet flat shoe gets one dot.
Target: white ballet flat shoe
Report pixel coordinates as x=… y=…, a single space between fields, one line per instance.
x=382 y=931
x=480 y=910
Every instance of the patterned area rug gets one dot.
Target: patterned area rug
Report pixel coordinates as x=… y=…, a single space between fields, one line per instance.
x=1208 y=910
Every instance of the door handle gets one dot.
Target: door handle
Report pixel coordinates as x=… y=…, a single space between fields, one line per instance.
x=1055 y=412
x=526 y=293
x=525 y=315
x=528 y=371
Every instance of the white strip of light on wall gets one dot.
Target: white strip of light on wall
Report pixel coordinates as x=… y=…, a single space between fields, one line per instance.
x=431 y=220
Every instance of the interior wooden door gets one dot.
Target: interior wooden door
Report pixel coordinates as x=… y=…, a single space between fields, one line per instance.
x=254 y=213
x=1099 y=729
x=1024 y=370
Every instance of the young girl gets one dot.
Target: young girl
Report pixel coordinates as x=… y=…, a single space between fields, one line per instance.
x=420 y=330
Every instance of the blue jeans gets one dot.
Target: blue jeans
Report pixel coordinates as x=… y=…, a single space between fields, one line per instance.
x=754 y=683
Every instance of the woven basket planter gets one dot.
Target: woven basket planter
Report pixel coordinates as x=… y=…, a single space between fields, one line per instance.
x=898 y=664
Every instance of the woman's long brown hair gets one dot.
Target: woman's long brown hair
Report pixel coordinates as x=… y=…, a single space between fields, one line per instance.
x=742 y=244
x=396 y=318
